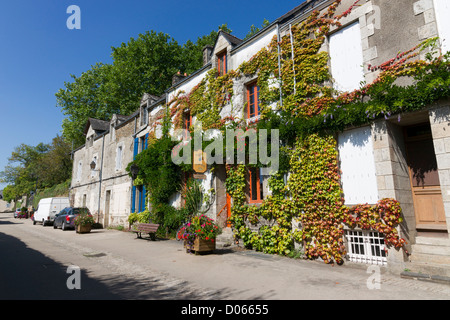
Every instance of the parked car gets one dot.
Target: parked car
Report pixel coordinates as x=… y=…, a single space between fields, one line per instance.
x=48 y=208
x=64 y=219
x=17 y=212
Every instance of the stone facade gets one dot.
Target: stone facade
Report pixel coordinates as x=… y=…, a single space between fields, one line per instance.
x=385 y=29
x=105 y=190
x=440 y=128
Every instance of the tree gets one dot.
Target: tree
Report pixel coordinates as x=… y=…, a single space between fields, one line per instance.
x=22 y=176
x=89 y=95
x=32 y=167
x=193 y=52
x=143 y=65
x=254 y=30
x=55 y=166
x=10 y=193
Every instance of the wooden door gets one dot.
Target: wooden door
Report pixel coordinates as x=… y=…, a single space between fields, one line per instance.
x=228 y=209
x=425 y=185
x=107 y=205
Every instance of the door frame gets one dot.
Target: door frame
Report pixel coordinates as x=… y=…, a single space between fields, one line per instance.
x=424 y=190
x=107 y=207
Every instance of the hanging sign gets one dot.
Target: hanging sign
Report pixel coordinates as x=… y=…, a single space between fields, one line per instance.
x=199 y=161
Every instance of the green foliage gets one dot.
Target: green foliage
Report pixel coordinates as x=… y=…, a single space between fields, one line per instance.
x=157 y=170
x=311 y=113
x=58 y=190
x=199 y=227
x=84 y=218
x=254 y=30
x=192 y=195
x=89 y=95
x=169 y=217
x=36 y=167
x=143 y=65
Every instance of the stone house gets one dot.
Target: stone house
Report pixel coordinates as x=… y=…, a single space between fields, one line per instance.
x=100 y=181
x=377 y=160
x=382 y=159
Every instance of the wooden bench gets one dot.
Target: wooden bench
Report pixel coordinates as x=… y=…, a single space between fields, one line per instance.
x=149 y=228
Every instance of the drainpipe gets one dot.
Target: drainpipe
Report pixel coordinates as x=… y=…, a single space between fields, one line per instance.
x=293 y=62
x=279 y=63
x=100 y=180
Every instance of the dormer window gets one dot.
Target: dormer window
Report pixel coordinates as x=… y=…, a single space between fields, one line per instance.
x=222 y=63
x=187 y=122
x=144 y=115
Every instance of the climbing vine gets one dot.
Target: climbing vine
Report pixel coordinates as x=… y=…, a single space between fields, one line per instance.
x=306 y=204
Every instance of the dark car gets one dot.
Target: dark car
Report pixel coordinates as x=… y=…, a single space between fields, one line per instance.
x=64 y=219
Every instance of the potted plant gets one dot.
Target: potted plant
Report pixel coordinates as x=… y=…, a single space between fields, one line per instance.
x=83 y=222
x=199 y=234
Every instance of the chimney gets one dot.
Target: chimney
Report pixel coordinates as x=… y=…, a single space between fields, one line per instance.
x=177 y=78
x=207 y=51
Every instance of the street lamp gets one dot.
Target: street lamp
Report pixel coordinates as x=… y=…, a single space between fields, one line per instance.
x=93 y=165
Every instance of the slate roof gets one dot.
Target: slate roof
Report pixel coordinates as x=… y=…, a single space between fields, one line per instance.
x=232 y=39
x=97 y=125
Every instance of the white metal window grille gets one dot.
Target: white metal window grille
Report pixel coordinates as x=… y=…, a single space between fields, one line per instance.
x=366 y=247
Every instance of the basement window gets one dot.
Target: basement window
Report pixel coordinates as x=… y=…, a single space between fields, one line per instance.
x=366 y=247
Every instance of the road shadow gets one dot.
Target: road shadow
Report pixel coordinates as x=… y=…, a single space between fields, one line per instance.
x=7 y=220
x=27 y=274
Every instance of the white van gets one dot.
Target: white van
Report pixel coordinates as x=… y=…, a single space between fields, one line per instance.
x=47 y=209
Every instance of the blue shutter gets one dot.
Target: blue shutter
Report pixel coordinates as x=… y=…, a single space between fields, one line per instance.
x=144 y=205
x=133 y=192
x=136 y=147
x=141 y=202
x=133 y=199
x=146 y=142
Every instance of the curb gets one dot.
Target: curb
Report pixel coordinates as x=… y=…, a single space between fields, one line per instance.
x=425 y=277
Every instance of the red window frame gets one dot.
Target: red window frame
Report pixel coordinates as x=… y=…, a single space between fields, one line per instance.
x=187 y=122
x=255 y=186
x=222 y=63
x=252 y=100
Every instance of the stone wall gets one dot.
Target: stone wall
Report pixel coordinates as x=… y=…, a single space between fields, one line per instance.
x=440 y=128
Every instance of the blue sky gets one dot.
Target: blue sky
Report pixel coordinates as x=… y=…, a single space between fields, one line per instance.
x=38 y=52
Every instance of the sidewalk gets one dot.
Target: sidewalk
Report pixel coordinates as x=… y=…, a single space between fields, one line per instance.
x=232 y=273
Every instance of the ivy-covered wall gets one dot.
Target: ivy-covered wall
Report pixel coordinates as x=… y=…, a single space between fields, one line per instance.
x=308 y=113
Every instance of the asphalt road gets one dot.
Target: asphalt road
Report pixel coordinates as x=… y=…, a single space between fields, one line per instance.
x=39 y=262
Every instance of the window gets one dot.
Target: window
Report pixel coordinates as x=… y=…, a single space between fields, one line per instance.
x=222 y=63
x=79 y=171
x=144 y=114
x=357 y=163
x=346 y=58
x=256 y=186
x=112 y=130
x=187 y=120
x=366 y=247
x=119 y=158
x=187 y=123
x=252 y=100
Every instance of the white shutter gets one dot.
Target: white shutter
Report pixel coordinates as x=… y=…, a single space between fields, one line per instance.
x=80 y=167
x=358 y=177
x=346 y=58
x=442 y=9
x=119 y=158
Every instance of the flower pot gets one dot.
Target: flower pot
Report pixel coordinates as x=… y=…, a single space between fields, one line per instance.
x=84 y=228
x=201 y=245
